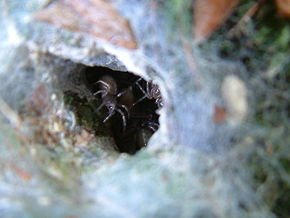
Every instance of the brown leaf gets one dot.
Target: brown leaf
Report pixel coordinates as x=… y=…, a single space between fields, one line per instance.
x=219 y=114
x=94 y=17
x=283 y=7
x=209 y=15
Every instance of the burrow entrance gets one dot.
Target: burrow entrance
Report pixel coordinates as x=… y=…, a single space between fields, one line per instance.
x=124 y=106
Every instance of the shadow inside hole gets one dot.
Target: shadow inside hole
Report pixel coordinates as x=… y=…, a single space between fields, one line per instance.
x=131 y=123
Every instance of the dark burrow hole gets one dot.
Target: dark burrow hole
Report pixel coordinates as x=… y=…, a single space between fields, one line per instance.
x=125 y=107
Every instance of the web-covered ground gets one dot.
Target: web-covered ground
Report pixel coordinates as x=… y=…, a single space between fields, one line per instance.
x=57 y=159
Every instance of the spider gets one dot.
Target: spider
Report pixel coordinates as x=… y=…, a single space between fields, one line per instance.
x=152 y=92
x=109 y=95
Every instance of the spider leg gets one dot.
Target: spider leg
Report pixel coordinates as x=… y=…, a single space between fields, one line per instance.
x=123 y=92
x=153 y=126
x=100 y=92
x=104 y=83
x=159 y=102
x=139 y=100
x=150 y=89
x=141 y=88
x=129 y=89
x=137 y=81
x=126 y=109
x=123 y=118
x=102 y=105
x=108 y=117
x=146 y=93
x=156 y=125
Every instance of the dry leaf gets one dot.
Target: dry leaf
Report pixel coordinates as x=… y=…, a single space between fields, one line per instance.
x=209 y=15
x=94 y=17
x=219 y=114
x=283 y=7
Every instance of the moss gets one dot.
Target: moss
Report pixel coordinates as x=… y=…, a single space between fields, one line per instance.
x=86 y=114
